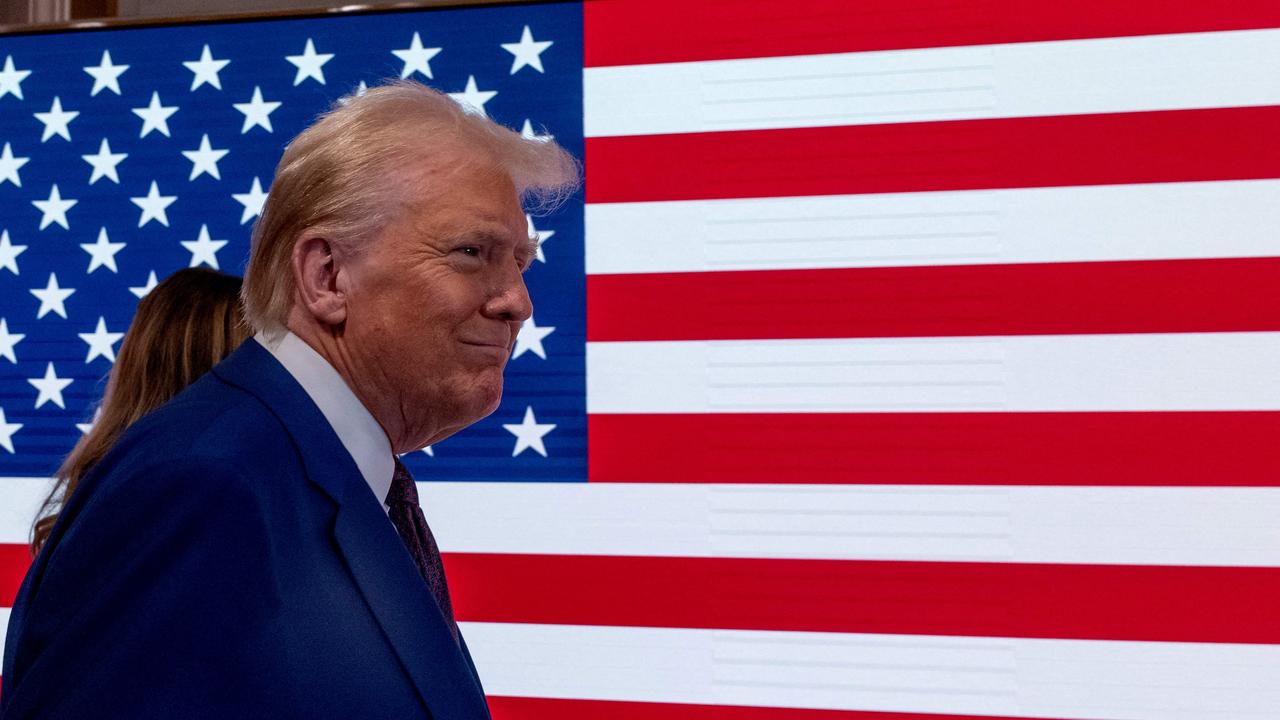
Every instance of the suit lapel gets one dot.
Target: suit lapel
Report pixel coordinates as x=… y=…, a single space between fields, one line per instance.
x=383 y=570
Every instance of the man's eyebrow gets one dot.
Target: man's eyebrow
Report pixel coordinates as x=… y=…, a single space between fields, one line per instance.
x=527 y=247
x=480 y=236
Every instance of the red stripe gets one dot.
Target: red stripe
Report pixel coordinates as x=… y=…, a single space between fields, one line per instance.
x=1115 y=602
x=1116 y=148
x=14 y=561
x=520 y=708
x=1049 y=448
x=1103 y=602
x=1148 y=296
x=630 y=32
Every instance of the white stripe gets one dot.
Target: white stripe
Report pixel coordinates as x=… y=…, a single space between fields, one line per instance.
x=1025 y=225
x=1157 y=72
x=1183 y=371
x=4 y=626
x=1100 y=680
x=1094 y=525
x=1097 y=525
x=20 y=499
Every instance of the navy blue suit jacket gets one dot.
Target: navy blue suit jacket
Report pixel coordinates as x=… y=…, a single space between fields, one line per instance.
x=227 y=560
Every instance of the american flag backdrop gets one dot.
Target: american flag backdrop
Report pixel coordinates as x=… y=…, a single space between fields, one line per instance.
x=899 y=360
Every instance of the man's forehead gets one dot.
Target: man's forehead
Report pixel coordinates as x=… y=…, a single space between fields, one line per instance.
x=472 y=219
x=463 y=198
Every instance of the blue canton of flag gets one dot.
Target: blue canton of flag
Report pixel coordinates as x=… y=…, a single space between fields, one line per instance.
x=128 y=154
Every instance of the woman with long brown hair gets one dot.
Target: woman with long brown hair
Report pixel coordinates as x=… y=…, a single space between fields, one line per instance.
x=182 y=328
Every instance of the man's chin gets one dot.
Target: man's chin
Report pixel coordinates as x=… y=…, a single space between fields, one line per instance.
x=488 y=396
x=491 y=406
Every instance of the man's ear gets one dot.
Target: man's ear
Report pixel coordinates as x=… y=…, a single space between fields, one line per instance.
x=316 y=271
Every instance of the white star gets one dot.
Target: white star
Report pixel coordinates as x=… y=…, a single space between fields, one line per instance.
x=9 y=253
x=528 y=133
x=8 y=341
x=203 y=249
x=102 y=253
x=429 y=451
x=153 y=206
x=204 y=159
x=252 y=201
x=472 y=98
x=50 y=387
x=54 y=210
x=52 y=297
x=529 y=434
x=257 y=112
x=86 y=427
x=7 y=429
x=155 y=116
x=530 y=338
x=309 y=64
x=105 y=75
x=205 y=70
x=360 y=90
x=541 y=236
x=9 y=166
x=416 y=58
x=11 y=80
x=100 y=342
x=527 y=51
x=141 y=291
x=104 y=163
x=56 y=120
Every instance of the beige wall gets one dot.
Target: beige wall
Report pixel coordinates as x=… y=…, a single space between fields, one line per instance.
x=34 y=11
x=179 y=8
x=15 y=15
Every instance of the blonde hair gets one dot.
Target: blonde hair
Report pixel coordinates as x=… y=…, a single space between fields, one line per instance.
x=181 y=329
x=339 y=177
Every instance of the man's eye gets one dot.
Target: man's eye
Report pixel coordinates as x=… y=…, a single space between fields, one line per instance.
x=470 y=250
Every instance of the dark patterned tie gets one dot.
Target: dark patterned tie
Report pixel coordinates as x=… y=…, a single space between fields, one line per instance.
x=406 y=515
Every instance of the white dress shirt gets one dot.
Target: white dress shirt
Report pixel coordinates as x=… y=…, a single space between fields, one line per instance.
x=359 y=433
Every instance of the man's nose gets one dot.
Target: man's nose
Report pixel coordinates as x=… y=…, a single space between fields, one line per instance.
x=511 y=301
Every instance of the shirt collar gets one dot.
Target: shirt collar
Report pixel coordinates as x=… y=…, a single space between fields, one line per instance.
x=359 y=433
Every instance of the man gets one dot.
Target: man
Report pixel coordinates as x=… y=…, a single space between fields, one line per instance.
x=253 y=548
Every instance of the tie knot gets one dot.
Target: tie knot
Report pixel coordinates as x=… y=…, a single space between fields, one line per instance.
x=403 y=490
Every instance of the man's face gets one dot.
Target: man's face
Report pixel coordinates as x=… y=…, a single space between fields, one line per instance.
x=435 y=303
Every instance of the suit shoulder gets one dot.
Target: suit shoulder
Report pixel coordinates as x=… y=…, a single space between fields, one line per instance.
x=213 y=421
x=215 y=454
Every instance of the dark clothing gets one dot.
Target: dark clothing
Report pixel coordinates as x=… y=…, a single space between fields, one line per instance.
x=227 y=560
